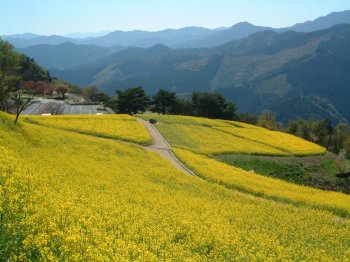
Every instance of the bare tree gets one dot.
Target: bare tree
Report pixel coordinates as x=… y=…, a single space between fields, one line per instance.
x=38 y=87
x=30 y=88
x=90 y=92
x=20 y=104
x=267 y=119
x=62 y=89
x=49 y=90
x=53 y=108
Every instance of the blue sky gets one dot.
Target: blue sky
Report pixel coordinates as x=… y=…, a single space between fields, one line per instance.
x=67 y=16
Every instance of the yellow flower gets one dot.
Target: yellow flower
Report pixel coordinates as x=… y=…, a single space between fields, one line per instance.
x=70 y=197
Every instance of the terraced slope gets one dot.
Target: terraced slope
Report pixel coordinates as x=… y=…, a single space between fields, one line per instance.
x=122 y=127
x=266 y=187
x=70 y=196
x=206 y=136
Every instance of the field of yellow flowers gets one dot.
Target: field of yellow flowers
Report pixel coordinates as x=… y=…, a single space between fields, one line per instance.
x=250 y=182
x=207 y=136
x=122 y=127
x=70 y=196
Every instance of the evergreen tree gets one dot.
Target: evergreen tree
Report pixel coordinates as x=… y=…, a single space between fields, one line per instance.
x=132 y=101
x=164 y=101
x=212 y=106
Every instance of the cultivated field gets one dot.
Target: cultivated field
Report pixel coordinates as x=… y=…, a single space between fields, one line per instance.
x=123 y=127
x=258 y=185
x=65 y=195
x=208 y=136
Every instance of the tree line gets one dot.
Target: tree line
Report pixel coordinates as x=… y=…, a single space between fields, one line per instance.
x=135 y=100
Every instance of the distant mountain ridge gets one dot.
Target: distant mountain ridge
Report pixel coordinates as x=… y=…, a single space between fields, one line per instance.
x=322 y=22
x=66 y=55
x=188 y=37
x=305 y=74
x=139 y=38
x=39 y=40
x=82 y=35
x=237 y=31
x=21 y=36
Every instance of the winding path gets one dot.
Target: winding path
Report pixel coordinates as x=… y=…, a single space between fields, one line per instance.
x=162 y=147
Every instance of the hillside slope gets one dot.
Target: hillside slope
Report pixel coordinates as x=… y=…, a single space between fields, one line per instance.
x=69 y=196
x=66 y=55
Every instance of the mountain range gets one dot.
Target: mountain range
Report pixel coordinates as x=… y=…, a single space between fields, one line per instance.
x=291 y=73
x=61 y=52
x=67 y=55
x=188 y=37
x=302 y=70
x=82 y=35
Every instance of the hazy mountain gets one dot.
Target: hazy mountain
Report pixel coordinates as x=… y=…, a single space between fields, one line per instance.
x=188 y=37
x=104 y=70
x=82 y=35
x=51 y=40
x=322 y=22
x=308 y=77
x=66 y=55
x=237 y=31
x=137 y=38
x=292 y=73
x=21 y=36
x=244 y=29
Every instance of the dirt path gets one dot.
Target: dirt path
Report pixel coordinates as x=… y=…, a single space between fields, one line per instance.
x=162 y=147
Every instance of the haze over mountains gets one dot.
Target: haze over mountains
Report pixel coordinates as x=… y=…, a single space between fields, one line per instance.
x=67 y=55
x=302 y=70
x=82 y=35
x=294 y=74
x=193 y=37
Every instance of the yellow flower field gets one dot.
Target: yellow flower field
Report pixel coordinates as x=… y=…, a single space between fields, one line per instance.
x=66 y=196
x=208 y=136
x=207 y=140
x=123 y=127
x=286 y=142
x=259 y=185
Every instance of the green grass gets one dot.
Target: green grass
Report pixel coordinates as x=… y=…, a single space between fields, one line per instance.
x=318 y=172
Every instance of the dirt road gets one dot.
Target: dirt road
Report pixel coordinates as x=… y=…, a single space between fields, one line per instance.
x=162 y=147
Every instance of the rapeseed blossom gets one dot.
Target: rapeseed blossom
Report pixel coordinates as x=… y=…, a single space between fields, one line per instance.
x=122 y=127
x=215 y=137
x=250 y=182
x=70 y=196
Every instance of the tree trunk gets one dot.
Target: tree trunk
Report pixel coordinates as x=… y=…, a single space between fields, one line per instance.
x=17 y=116
x=18 y=106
